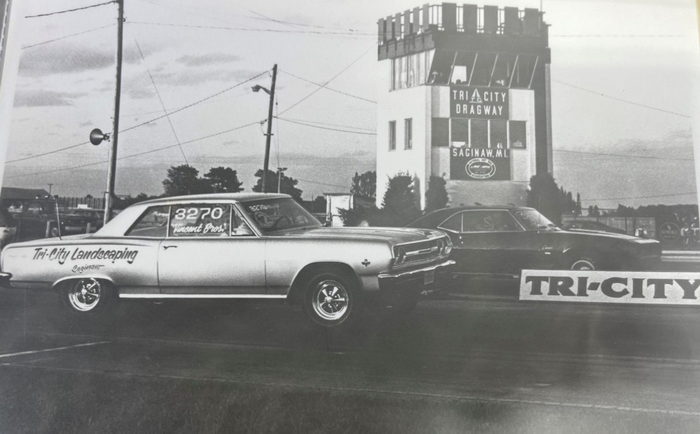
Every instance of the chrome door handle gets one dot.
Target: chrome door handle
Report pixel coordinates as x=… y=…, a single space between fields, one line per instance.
x=168 y=247
x=547 y=250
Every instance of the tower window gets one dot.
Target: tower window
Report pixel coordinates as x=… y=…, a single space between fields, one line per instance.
x=408 y=133
x=460 y=132
x=392 y=135
x=518 y=136
x=480 y=133
x=498 y=134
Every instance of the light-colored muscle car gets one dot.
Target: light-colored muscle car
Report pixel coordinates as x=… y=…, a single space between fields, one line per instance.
x=232 y=246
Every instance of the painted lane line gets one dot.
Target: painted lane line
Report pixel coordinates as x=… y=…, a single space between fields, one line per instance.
x=46 y=350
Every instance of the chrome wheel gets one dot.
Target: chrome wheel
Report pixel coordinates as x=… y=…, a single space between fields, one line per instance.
x=84 y=295
x=330 y=300
x=582 y=265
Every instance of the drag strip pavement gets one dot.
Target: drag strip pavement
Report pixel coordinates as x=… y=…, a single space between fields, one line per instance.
x=527 y=360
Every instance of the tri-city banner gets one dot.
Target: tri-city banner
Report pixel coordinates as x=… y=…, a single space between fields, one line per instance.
x=622 y=287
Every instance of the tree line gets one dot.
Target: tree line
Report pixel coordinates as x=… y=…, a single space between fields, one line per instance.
x=185 y=179
x=401 y=202
x=399 y=206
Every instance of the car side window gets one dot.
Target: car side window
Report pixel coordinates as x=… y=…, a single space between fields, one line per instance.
x=239 y=228
x=488 y=221
x=152 y=223
x=200 y=220
x=453 y=223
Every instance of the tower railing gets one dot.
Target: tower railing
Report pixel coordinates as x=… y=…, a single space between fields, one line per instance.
x=467 y=18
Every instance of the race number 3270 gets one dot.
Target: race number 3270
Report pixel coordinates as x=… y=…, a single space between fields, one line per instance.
x=193 y=213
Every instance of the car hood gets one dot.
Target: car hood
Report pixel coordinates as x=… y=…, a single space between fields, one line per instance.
x=392 y=235
x=606 y=235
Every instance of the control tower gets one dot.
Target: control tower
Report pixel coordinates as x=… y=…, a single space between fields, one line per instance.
x=465 y=96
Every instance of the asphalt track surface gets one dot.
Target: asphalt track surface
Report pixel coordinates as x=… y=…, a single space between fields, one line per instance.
x=458 y=363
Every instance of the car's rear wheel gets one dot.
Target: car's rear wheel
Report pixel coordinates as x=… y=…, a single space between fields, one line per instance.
x=330 y=299
x=87 y=295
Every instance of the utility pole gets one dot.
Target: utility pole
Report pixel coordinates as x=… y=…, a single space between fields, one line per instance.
x=112 y=171
x=268 y=137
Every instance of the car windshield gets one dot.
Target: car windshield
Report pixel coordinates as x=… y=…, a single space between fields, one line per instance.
x=272 y=215
x=532 y=220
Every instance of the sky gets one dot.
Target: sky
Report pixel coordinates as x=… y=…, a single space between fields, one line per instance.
x=621 y=93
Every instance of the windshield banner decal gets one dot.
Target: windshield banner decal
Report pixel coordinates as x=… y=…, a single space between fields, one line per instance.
x=624 y=287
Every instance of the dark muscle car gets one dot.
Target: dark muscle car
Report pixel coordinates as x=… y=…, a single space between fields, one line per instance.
x=502 y=241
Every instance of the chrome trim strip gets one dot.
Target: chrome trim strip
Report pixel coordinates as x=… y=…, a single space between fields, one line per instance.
x=415 y=271
x=261 y=296
x=408 y=243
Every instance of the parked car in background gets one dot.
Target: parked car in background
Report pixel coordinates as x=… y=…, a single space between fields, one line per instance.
x=81 y=220
x=35 y=219
x=590 y=225
x=260 y=246
x=501 y=241
x=8 y=228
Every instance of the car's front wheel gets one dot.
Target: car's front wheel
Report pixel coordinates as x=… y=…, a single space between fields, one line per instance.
x=330 y=299
x=83 y=296
x=583 y=263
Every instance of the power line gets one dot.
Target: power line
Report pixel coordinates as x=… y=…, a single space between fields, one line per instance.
x=330 y=88
x=138 y=154
x=185 y=107
x=650 y=157
x=308 y=121
x=326 y=83
x=194 y=103
x=253 y=29
x=65 y=11
x=614 y=35
x=595 y=92
x=60 y=38
x=327 y=128
x=292 y=23
x=162 y=104
x=640 y=197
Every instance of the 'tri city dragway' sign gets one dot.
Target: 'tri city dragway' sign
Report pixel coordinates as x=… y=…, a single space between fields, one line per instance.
x=625 y=287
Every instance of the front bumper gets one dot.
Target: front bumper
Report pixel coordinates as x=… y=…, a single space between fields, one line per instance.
x=5 y=278
x=423 y=279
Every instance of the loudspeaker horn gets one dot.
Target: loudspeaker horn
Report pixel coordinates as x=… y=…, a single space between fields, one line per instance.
x=97 y=136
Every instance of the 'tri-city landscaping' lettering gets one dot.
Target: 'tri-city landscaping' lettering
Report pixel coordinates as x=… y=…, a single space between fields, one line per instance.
x=63 y=254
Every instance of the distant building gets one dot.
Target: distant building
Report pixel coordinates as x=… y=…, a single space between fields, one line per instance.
x=466 y=95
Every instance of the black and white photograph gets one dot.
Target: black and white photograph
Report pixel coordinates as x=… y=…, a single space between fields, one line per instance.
x=378 y=216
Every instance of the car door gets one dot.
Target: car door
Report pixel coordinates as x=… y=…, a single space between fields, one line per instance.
x=137 y=276
x=210 y=250
x=537 y=246
x=488 y=243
